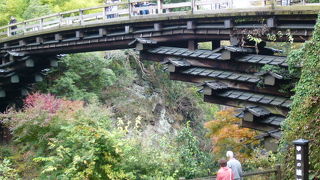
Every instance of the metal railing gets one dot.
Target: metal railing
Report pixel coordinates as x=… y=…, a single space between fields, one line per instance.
x=126 y=11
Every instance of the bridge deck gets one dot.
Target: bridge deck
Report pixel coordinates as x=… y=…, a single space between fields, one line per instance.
x=97 y=16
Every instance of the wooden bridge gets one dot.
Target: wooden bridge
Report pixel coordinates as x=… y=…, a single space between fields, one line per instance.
x=229 y=75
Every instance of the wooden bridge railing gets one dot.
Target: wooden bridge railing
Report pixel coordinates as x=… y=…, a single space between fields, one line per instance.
x=276 y=172
x=125 y=10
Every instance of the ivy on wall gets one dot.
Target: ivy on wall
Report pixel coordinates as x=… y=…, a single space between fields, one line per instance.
x=304 y=118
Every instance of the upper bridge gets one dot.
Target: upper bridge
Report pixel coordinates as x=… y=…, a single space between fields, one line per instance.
x=174 y=24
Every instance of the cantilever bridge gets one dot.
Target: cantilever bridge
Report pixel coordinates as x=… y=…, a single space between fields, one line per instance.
x=169 y=34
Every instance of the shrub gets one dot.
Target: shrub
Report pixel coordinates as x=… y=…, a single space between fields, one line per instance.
x=7 y=172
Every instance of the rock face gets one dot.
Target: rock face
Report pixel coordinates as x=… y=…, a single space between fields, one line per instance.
x=149 y=107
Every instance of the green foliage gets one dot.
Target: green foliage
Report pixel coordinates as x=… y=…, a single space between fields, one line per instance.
x=290 y=76
x=66 y=5
x=86 y=149
x=12 y=8
x=66 y=140
x=28 y=9
x=277 y=69
x=260 y=160
x=193 y=161
x=304 y=118
x=7 y=172
x=36 y=9
x=80 y=77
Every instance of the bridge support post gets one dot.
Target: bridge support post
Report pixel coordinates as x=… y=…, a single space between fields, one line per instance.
x=215 y=44
x=57 y=37
x=192 y=45
x=234 y=41
x=157 y=26
x=22 y=43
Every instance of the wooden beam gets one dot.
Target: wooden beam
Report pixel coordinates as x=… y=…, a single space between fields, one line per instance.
x=29 y=63
x=102 y=31
x=215 y=44
x=39 y=40
x=14 y=79
x=269 y=80
x=128 y=29
x=22 y=43
x=207 y=91
x=57 y=37
x=214 y=64
x=157 y=26
x=79 y=34
x=227 y=55
x=271 y=22
x=38 y=78
x=242 y=104
x=228 y=23
x=191 y=25
x=54 y=63
x=2 y=93
x=248 y=117
x=192 y=45
x=257 y=126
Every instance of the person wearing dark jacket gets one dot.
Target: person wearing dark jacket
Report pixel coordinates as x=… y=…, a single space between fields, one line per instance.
x=13 y=21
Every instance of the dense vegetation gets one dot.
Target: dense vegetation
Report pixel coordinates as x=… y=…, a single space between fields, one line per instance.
x=109 y=116
x=304 y=118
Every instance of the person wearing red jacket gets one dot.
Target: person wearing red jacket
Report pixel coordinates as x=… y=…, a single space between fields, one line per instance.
x=224 y=173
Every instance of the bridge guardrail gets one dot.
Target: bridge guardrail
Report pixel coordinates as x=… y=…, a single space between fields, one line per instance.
x=274 y=174
x=125 y=10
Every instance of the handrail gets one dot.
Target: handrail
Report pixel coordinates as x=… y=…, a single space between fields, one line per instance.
x=276 y=171
x=125 y=8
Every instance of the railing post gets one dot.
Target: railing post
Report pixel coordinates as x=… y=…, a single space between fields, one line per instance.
x=81 y=16
x=60 y=19
x=130 y=9
x=193 y=6
x=278 y=172
x=24 y=27
x=9 y=31
x=273 y=4
x=41 y=24
x=159 y=3
x=104 y=15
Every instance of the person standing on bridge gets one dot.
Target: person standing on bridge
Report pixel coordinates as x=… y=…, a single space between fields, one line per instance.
x=13 y=21
x=235 y=165
x=224 y=173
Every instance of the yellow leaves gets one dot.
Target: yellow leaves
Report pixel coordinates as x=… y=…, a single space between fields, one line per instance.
x=225 y=133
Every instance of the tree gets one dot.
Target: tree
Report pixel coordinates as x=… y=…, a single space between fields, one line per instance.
x=36 y=9
x=80 y=76
x=226 y=134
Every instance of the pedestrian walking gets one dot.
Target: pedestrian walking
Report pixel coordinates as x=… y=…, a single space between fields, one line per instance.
x=224 y=173
x=12 y=28
x=235 y=165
